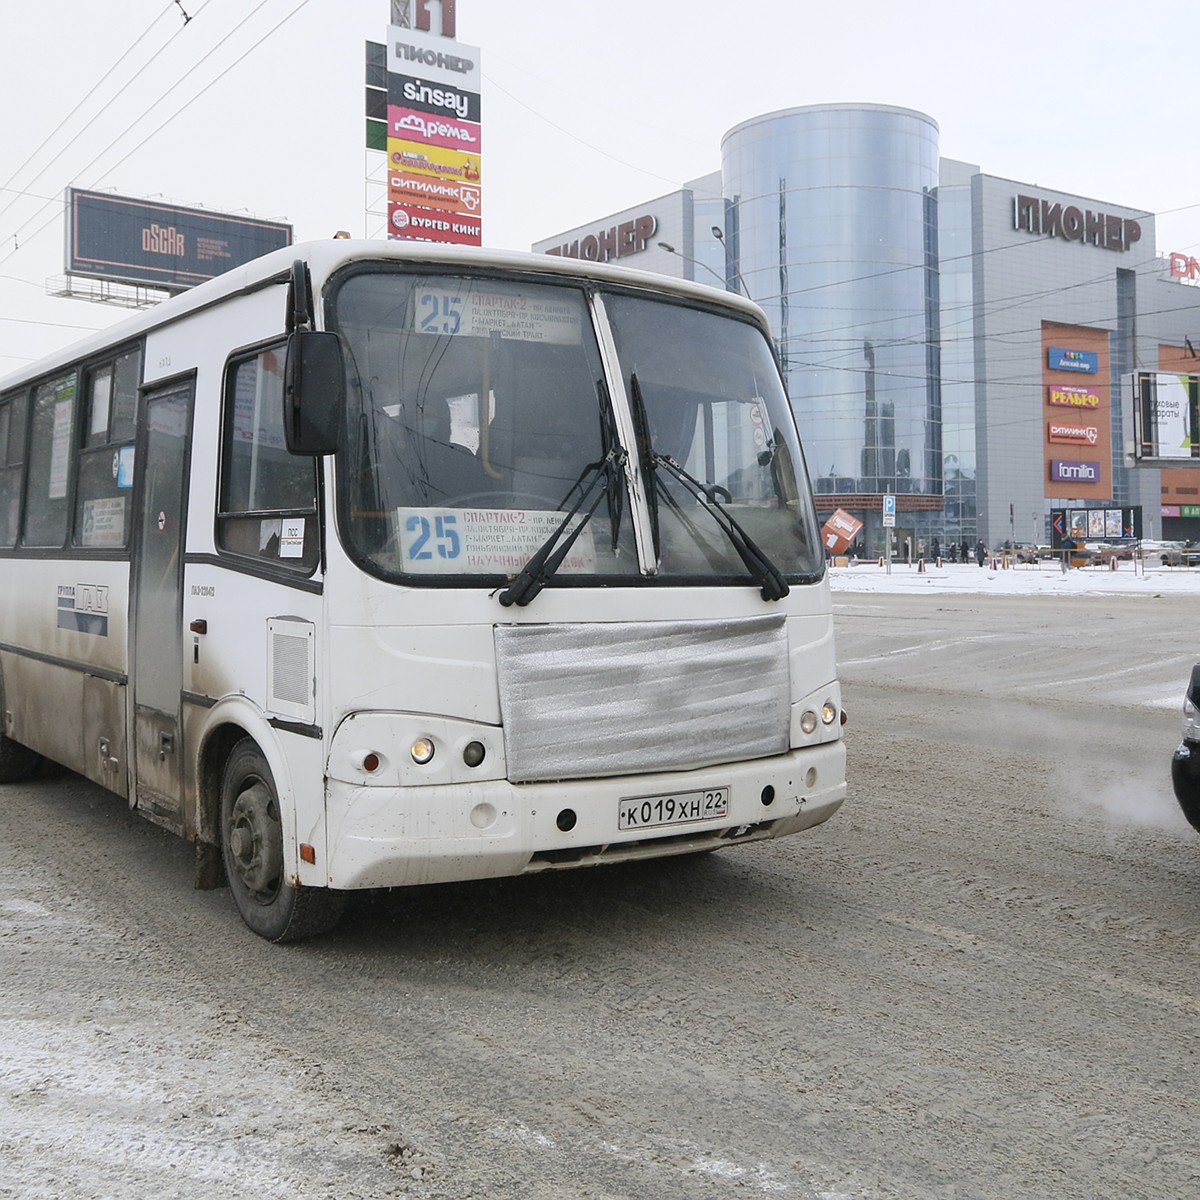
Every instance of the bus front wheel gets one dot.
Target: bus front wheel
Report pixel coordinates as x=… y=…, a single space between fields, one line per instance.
x=252 y=847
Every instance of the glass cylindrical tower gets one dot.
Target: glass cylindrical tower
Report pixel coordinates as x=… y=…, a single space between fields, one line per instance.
x=831 y=225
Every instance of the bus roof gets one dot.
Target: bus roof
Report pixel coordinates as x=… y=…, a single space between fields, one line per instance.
x=325 y=257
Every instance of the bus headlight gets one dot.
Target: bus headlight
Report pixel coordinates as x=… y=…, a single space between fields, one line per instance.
x=419 y=750
x=808 y=721
x=829 y=712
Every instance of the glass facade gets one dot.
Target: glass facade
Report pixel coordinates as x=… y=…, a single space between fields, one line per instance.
x=909 y=296
x=850 y=191
x=956 y=282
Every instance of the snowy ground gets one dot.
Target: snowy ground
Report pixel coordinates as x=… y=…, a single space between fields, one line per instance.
x=1043 y=578
x=978 y=980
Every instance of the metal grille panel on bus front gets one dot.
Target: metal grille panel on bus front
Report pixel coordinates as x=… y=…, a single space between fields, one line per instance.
x=585 y=700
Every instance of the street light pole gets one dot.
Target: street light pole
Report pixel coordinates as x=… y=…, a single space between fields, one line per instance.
x=688 y=258
x=719 y=234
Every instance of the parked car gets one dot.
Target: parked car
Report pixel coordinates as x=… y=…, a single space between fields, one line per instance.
x=1187 y=555
x=1105 y=551
x=1023 y=552
x=1185 y=763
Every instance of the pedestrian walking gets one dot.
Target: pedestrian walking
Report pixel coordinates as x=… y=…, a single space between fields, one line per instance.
x=966 y=551
x=980 y=552
x=1068 y=545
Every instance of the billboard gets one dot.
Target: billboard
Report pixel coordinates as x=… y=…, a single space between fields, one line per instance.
x=160 y=245
x=1166 y=420
x=1095 y=523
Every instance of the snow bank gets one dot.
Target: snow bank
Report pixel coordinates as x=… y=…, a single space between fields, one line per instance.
x=1017 y=580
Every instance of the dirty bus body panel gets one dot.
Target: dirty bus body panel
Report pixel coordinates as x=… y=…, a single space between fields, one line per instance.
x=372 y=565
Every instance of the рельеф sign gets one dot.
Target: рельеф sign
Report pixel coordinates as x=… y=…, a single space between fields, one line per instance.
x=630 y=237
x=1069 y=397
x=1052 y=219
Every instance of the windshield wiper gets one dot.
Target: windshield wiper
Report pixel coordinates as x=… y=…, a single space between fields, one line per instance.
x=762 y=570
x=553 y=551
x=645 y=452
x=616 y=480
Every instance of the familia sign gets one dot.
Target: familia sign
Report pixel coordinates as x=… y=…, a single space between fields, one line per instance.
x=1067 y=471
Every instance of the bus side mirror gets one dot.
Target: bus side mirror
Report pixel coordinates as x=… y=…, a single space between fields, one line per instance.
x=314 y=392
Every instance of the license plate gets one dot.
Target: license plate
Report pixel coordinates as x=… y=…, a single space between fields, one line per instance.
x=675 y=808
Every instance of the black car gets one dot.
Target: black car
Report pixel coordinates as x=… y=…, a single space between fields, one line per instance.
x=1185 y=763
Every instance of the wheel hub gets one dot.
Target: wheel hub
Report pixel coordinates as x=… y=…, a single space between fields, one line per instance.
x=256 y=841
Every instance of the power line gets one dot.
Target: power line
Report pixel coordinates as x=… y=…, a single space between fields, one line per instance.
x=576 y=138
x=6 y=185
x=99 y=112
x=52 y=324
x=211 y=84
x=159 y=101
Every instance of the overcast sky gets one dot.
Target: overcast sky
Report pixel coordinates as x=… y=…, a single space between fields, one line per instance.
x=589 y=106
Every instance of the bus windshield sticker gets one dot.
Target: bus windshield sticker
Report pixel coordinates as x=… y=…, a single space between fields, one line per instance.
x=60 y=450
x=486 y=541
x=123 y=466
x=104 y=522
x=291 y=537
x=506 y=313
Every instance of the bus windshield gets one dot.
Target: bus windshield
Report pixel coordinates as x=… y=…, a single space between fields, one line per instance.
x=481 y=418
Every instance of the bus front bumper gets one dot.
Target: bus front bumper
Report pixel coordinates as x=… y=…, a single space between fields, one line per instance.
x=396 y=837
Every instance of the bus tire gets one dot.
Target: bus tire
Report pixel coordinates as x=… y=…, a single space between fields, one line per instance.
x=252 y=848
x=17 y=762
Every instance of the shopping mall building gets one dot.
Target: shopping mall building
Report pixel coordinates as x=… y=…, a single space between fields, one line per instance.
x=951 y=338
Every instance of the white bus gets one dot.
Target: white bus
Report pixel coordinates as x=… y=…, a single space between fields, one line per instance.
x=369 y=565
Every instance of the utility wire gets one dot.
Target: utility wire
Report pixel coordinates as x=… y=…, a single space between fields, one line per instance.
x=159 y=101
x=6 y=186
x=211 y=84
x=576 y=138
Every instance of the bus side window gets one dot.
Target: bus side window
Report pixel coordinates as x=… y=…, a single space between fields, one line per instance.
x=103 y=498
x=268 y=497
x=12 y=454
x=48 y=481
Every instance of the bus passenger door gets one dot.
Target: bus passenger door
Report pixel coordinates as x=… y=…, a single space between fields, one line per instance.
x=158 y=607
